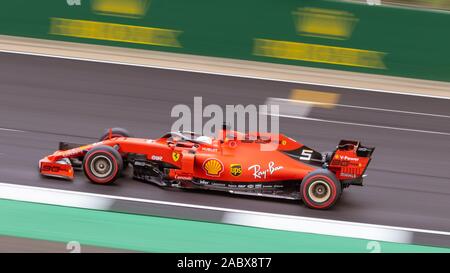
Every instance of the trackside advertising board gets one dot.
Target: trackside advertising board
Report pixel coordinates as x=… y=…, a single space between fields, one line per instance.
x=327 y=34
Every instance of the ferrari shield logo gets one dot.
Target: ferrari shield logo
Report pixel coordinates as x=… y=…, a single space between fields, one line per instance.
x=235 y=169
x=175 y=156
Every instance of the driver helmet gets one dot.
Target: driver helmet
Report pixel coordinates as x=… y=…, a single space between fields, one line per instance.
x=204 y=139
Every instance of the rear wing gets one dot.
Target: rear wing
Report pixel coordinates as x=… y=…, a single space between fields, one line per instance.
x=361 y=151
x=350 y=159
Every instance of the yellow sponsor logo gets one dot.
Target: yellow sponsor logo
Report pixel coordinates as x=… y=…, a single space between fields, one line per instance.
x=175 y=156
x=123 y=8
x=319 y=53
x=326 y=100
x=324 y=23
x=235 y=169
x=114 y=32
x=213 y=167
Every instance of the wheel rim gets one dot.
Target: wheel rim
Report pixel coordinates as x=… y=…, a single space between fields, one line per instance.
x=101 y=166
x=319 y=191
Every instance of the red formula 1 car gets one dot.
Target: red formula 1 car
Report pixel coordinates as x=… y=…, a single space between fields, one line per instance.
x=236 y=163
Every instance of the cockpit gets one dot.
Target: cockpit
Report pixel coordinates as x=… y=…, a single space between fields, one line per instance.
x=233 y=136
x=176 y=137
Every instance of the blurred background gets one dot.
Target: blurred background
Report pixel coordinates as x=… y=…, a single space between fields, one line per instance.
x=374 y=71
x=430 y=4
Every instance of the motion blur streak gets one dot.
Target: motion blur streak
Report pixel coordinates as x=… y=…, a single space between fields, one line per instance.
x=374 y=117
x=114 y=32
x=53 y=197
x=366 y=125
x=408 y=183
x=11 y=130
x=236 y=217
x=318 y=227
x=319 y=53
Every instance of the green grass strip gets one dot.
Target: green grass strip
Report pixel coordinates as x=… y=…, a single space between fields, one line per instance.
x=158 y=234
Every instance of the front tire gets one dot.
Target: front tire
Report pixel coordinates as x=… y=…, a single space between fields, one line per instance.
x=115 y=132
x=102 y=165
x=320 y=189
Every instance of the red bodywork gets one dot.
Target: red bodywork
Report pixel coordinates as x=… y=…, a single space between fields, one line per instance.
x=256 y=159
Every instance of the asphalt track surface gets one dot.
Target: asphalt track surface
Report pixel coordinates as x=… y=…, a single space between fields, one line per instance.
x=50 y=100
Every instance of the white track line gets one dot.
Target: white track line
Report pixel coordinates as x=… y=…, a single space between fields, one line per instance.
x=62 y=198
x=362 y=107
x=11 y=130
x=11 y=191
x=366 y=125
x=220 y=74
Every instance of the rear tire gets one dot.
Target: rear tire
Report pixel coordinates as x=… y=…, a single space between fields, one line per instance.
x=102 y=165
x=320 y=189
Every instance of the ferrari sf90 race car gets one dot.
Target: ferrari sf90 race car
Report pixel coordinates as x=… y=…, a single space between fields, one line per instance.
x=249 y=164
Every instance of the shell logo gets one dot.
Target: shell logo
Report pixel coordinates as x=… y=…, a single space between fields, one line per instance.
x=213 y=167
